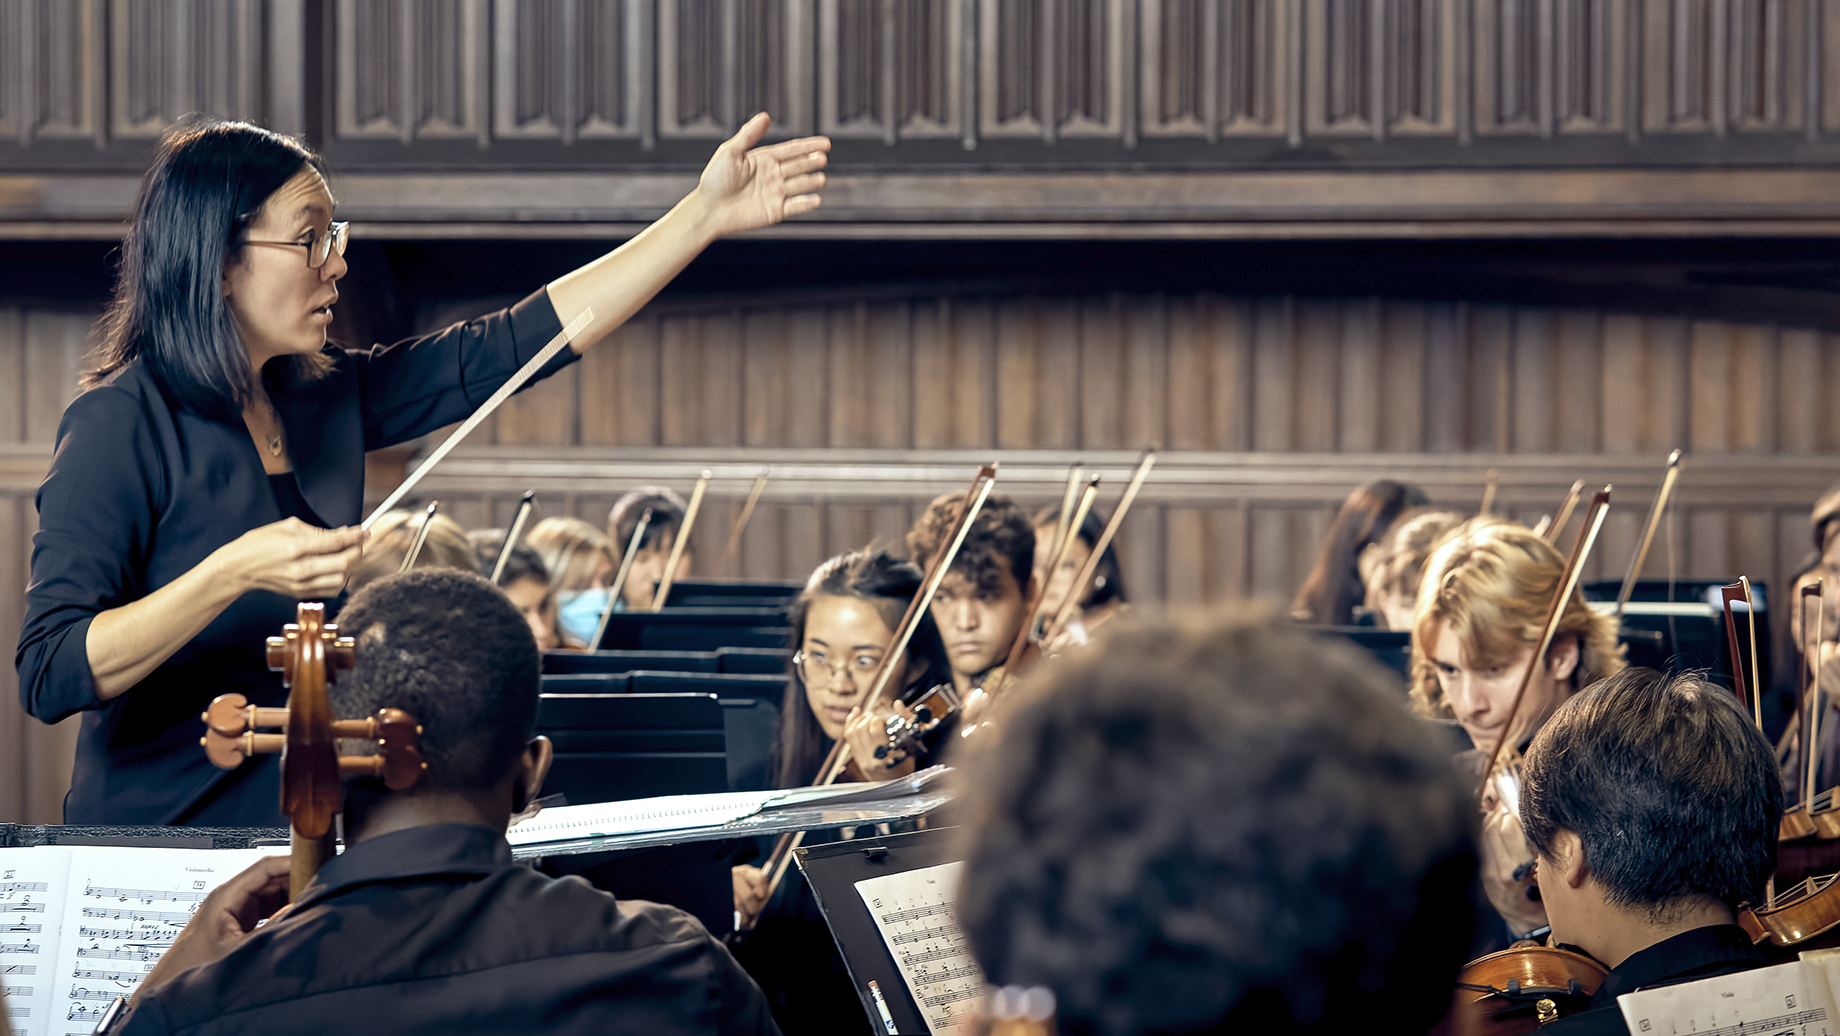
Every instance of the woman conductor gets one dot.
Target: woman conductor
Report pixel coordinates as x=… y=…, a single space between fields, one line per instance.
x=211 y=472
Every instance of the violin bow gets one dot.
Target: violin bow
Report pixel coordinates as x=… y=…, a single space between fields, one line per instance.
x=513 y=534
x=1555 y=611
x=1488 y=494
x=493 y=402
x=1066 y=520
x=1655 y=513
x=421 y=537
x=1732 y=593
x=1084 y=579
x=741 y=522
x=1072 y=529
x=936 y=569
x=619 y=578
x=1564 y=513
x=680 y=542
x=1811 y=700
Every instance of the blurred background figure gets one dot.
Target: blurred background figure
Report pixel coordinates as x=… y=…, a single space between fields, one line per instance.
x=1333 y=588
x=525 y=580
x=1392 y=567
x=1099 y=600
x=580 y=561
x=655 y=548
x=394 y=534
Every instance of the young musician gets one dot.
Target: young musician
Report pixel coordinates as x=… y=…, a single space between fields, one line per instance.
x=1481 y=604
x=983 y=600
x=1822 y=563
x=1392 y=568
x=842 y=623
x=425 y=924
x=1332 y=589
x=581 y=564
x=654 y=548
x=525 y=581
x=1098 y=602
x=1217 y=824
x=212 y=472
x=393 y=536
x=1651 y=803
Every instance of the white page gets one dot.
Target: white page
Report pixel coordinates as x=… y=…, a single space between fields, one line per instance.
x=122 y=908
x=1790 y=999
x=637 y=816
x=31 y=907
x=916 y=912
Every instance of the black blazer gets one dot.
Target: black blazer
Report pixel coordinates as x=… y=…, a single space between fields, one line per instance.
x=140 y=492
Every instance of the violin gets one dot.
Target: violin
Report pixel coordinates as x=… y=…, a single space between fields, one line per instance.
x=309 y=655
x=1522 y=988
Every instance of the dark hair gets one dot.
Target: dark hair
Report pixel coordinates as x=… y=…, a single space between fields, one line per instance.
x=448 y=648
x=886 y=582
x=1000 y=535
x=1333 y=587
x=667 y=517
x=1108 y=580
x=524 y=562
x=208 y=183
x=1667 y=783
x=1217 y=822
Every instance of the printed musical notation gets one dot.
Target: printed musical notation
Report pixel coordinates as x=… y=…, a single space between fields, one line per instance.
x=913 y=911
x=176 y=918
x=149 y=951
x=147 y=896
x=1793 y=999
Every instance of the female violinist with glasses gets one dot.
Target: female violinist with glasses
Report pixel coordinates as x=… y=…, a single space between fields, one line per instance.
x=211 y=473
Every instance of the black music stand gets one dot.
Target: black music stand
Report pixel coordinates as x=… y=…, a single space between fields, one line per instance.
x=833 y=871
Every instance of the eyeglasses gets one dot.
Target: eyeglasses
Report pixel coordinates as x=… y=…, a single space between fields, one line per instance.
x=815 y=667
x=319 y=246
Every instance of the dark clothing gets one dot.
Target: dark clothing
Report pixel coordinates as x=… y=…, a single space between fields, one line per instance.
x=140 y=492
x=289 y=501
x=1706 y=952
x=436 y=930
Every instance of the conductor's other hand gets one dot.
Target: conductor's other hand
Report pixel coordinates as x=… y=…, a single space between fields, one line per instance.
x=293 y=559
x=225 y=918
x=745 y=187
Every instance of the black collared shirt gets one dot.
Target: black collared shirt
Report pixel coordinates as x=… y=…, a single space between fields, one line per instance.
x=436 y=930
x=1700 y=953
x=140 y=491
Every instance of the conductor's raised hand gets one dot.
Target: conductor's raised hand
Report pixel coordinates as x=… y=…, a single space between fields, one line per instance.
x=292 y=558
x=225 y=918
x=745 y=186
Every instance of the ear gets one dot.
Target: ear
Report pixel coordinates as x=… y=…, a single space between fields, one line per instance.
x=1568 y=859
x=1562 y=657
x=532 y=768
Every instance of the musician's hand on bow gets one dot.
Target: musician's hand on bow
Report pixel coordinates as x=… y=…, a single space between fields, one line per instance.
x=750 y=893
x=292 y=558
x=1505 y=874
x=225 y=918
x=745 y=187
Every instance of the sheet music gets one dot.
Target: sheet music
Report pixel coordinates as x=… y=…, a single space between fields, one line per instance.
x=916 y=913
x=31 y=907
x=637 y=816
x=1792 y=999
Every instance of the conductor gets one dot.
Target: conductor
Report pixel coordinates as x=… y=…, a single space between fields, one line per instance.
x=211 y=472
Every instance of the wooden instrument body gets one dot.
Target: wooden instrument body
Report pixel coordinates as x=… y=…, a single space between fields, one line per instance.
x=1518 y=990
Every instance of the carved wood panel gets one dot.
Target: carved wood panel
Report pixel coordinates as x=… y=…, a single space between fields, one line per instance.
x=51 y=70
x=1215 y=67
x=168 y=58
x=891 y=69
x=1053 y=68
x=411 y=69
x=721 y=61
x=566 y=70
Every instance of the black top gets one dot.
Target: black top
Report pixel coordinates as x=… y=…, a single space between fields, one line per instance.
x=140 y=492
x=436 y=930
x=1708 y=952
x=289 y=501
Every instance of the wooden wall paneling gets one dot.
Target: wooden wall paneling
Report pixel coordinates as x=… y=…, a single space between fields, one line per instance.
x=545 y=414
x=1683 y=79
x=973 y=337
x=893 y=70
x=1533 y=405
x=1145 y=418
x=1019 y=350
x=1825 y=73
x=1764 y=58
x=1273 y=378
x=700 y=371
x=1754 y=387
x=1488 y=401
x=1340 y=71
x=1627 y=364
x=13 y=394
x=1052 y=69
x=718 y=64
x=620 y=389
x=54 y=71
x=1192 y=418
x=1827 y=428
x=411 y=71
x=1100 y=356
x=889 y=332
x=1318 y=372
x=1285 y=540
x=1184 y=536
x=1416 y=43
x=1447 y=361
x=565 y=70
x=1508 y=61
x=935 y=374
x=851 y=395
x=14 y=551
x=1057 y=373
x=1361 y=382
x=1798 y=397
x=168 y=58
x=58 y=340
x=1404 y=337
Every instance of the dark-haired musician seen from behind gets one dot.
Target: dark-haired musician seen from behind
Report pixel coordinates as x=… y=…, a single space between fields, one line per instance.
x=212 y=472
x=425 y=924
x=1651 y=803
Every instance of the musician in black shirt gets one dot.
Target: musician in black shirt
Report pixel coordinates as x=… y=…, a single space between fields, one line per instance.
x=1651 y=803
x=425 y=924
x=212 y=471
